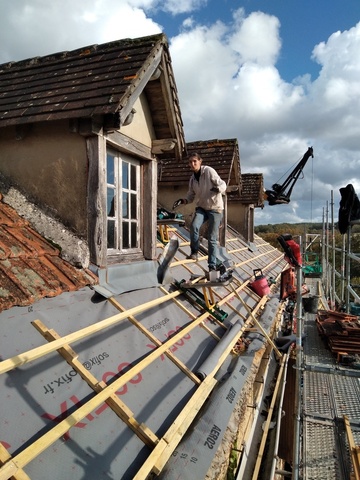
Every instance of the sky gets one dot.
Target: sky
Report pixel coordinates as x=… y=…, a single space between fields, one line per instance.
x=278 y=75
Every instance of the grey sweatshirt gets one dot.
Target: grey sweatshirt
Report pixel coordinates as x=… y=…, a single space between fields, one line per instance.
x=201 y=190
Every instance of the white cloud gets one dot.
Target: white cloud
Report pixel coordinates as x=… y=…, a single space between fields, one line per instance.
x=225 y=89
x=335 y=94
x=256 y=37
x=228 y=83
x=40 y=27
x=182 y=6
x=230 y=87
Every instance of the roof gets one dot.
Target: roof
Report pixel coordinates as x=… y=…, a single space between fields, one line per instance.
x=251 y=191
x=93 y=81
x=222 y=155
x=152 y=349
x=30 y=267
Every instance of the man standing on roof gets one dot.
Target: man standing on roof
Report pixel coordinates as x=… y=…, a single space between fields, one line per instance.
x=207 y=187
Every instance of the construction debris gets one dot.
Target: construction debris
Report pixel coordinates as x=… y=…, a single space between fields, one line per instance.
x=340 y=330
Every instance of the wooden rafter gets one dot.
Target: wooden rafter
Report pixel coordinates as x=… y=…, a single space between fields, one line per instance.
x=119 y=407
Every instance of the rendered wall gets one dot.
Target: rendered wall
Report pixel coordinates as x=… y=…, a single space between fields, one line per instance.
x=49 y=165
x=141 y=128
x=240 y=217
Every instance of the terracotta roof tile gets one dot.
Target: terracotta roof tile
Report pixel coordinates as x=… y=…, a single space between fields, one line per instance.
x=251 y=191
x=30 y=267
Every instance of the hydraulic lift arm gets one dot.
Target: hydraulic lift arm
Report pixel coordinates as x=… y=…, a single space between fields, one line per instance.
x=280 y=194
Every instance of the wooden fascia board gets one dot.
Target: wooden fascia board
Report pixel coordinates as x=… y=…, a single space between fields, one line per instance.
x=136 y=87
x=237 y=168
x=234 y=167
x=172 y=115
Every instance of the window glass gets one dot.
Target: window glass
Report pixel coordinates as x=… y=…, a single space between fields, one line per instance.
x=125 y=175
x=125 y=205
x=110 y=234
x=133 y=234
x=110 y=173
x=110 y=202
x=133 y=177
x=133 y=205
x=125 y=235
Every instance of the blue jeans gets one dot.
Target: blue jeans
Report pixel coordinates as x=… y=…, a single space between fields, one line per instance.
x=214 y=219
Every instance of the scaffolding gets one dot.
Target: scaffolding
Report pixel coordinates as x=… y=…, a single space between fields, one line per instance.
x=337 y=280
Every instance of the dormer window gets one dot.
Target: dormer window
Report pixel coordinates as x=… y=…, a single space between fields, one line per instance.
x=123 y=204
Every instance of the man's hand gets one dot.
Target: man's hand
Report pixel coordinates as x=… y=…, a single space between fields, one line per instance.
x=178 y=202
x=215 y=190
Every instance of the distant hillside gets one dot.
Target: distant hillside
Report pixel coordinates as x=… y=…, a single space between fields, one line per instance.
x=292 y=228
x=270 y=233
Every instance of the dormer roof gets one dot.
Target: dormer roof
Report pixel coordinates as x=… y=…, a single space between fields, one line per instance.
x=222 y=155
x=98 y=82
x=252 y=191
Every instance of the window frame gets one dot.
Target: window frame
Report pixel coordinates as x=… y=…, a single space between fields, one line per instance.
x=97 y=146
x=132 y=215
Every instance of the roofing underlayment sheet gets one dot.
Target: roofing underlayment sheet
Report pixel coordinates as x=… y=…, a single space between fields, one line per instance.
x=38 y=395
x=192 y=458
x=46 y=392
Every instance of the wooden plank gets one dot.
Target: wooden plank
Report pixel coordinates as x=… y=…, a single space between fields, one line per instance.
x=193 y=316
x=119 y=407
x=258 y=324
x=39 y=352
x=129 y=145
x=157 y=342
x=4 y=457
x=269 y=417
x=96 y=203
x=149 y=218
x=162 y=452
x=42 y=443
x=179 y=427
x=354 y=450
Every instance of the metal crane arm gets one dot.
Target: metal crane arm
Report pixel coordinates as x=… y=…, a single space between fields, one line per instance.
x=280 y=194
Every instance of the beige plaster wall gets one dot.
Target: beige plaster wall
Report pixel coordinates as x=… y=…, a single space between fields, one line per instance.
x=49 y=165
x=141 y=128
x=238 y=218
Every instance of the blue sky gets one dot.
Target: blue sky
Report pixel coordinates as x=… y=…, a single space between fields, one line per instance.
x=278 y=75
x=303 y=24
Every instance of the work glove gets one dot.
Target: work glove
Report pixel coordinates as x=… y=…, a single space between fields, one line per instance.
x=215 y=190
x=178 y=202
